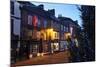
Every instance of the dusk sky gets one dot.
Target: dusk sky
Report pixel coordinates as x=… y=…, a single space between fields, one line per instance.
x=66 y=10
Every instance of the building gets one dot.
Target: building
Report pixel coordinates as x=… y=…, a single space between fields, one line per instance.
x=68 y=29
x=39 y=24
x=15 y=29
x=38 y=32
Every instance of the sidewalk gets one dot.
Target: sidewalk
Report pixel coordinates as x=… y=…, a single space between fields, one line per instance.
x=61 y=57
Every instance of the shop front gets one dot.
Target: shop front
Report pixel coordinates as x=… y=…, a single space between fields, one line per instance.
x=55 y=47
x=36 y=47
x=63 y=45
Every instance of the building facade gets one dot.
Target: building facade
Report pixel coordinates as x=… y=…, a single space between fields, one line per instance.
x=68 y=30
x=39 y=31
x=15 y=29
x=41 y=27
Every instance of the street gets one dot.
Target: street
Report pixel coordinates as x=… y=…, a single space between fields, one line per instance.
x=60 y=57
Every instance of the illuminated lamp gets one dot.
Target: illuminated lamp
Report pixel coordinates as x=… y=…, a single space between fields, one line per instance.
x=30 y=56
x=38 y=54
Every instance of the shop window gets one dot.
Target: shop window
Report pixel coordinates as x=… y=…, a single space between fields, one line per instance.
x=56 y=46
x=35 y=48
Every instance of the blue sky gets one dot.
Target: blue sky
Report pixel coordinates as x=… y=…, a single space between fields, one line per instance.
x=66 y=10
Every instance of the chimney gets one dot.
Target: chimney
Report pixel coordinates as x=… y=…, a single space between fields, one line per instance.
x=52 y=12
x=60 y=15
x=76 y=21
x=41 y=6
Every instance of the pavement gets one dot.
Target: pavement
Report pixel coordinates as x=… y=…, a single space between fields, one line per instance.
x=59 y=57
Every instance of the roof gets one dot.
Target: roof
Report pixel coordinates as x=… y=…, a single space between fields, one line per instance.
x=64 y=19
x=39 y=11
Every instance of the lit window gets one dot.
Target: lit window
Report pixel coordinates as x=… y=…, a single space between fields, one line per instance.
x=57 y=35
x=55 y=46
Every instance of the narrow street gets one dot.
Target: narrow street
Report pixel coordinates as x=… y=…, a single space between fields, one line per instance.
x=60 y=57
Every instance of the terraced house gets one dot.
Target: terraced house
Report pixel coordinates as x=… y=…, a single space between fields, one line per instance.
x=41 y=32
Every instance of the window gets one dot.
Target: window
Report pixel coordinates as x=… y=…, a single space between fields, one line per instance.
x=35 y=20
x=12 y=25
x=52 y=23
x=39 y=23
x=58 y=26
x=62 y=36
x=12 y=7
x=66 y=29
x=29 y=33
x=38 y=34
x=29 y=19
x=71 y=30
x=57 y=35
x=34 y=48
x=45 y=23
x=62 y=27
x=55 y=46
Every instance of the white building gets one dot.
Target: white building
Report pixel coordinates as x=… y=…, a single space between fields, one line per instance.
x=15 y=17
x=15 y=28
